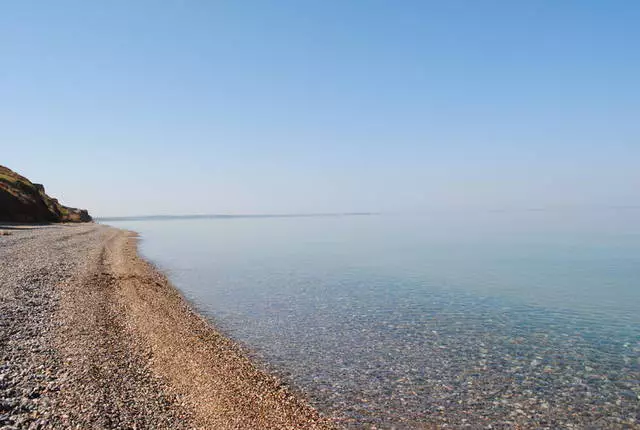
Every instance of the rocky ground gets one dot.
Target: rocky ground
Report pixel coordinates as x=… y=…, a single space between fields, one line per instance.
x=93 y=337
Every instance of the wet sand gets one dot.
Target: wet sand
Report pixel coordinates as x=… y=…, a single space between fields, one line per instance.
x=92 y=336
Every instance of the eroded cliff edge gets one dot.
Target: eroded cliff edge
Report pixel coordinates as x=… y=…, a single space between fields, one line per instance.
x=23 y=201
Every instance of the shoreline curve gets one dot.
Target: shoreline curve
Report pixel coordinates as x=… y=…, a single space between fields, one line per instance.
x=94 y=336
x=208 y=371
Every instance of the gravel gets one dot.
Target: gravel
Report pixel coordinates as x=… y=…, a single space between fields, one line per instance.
x=77 y=349
x=57 y=375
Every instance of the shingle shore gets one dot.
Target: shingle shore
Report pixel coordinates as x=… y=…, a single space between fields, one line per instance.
x=91 y=336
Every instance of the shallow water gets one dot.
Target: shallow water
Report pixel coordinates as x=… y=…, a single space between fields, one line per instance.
x=397 y=321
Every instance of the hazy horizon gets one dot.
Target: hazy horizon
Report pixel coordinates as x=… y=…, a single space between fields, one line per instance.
x=142 y=108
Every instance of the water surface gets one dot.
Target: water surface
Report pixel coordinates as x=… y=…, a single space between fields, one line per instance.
x=397 y=321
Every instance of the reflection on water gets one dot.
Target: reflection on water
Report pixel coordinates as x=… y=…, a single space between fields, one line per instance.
x=397 y=321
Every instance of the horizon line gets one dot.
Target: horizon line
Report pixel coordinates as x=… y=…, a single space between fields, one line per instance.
x=223 y=216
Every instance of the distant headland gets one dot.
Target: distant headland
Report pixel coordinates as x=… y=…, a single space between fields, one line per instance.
x=23 y=201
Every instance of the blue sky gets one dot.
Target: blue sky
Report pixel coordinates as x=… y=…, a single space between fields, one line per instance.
x=146 y=107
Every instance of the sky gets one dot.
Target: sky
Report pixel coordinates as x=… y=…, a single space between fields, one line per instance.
x=253 y=107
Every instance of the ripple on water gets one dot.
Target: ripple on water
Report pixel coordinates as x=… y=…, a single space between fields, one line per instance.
x=451 y=358
x=403 y=320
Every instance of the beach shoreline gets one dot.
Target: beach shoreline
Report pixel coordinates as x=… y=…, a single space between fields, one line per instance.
x=97 y=337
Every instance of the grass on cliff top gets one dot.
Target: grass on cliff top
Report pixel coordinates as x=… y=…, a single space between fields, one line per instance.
x=10 y=174
x=16 y=180
x=15 y=184
x=7 y=178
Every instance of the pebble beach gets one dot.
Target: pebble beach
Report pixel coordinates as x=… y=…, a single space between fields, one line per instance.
x=91 y=336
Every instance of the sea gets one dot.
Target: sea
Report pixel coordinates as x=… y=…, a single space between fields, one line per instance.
x=479 y=319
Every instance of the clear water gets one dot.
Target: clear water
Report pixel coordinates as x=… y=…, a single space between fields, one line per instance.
x=399 y=321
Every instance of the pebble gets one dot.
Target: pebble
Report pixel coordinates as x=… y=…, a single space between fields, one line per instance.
x=34 y=263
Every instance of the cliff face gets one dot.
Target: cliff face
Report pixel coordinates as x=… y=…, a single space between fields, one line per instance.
x=23 y=201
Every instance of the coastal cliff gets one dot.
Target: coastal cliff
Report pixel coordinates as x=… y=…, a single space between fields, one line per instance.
x=23 y=201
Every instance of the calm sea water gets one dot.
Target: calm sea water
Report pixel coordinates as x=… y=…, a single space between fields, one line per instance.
x=400 y=321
